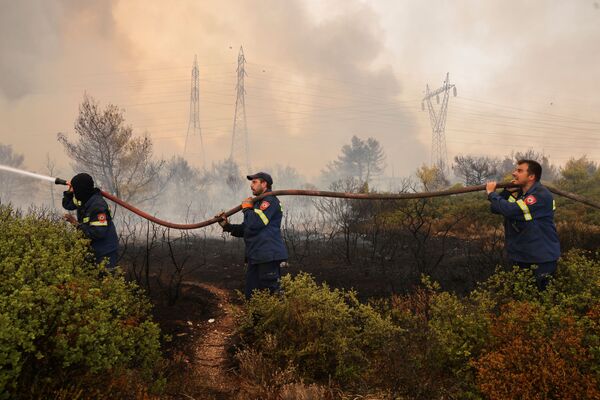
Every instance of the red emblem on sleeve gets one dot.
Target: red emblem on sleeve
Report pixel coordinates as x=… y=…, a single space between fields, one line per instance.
x=101 y=217
x=530 y=200
x=264 y=205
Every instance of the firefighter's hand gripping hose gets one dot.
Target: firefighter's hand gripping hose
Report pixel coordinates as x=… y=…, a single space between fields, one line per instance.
x=340 y=195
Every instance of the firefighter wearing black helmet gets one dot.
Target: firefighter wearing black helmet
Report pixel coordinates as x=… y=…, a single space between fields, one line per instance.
x=93 y=218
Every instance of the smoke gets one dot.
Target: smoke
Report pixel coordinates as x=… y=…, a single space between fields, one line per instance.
x=38 y=37
x=312 y=82
x=349 y=91
x=53 y=52
x=318 y=74
x=24 y=45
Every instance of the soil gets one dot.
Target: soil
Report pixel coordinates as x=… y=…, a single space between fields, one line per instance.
x=201 y=325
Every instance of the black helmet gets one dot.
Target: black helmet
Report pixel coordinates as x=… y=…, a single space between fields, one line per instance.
x=83 y=187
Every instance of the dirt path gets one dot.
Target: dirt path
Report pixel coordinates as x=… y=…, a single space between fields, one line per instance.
x=211 y=362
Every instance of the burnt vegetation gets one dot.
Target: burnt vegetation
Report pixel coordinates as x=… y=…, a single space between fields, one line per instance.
x=382 y=299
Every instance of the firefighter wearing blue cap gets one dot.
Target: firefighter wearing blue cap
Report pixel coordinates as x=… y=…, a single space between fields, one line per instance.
x=530 y=233
x=261 y=230
x=94 y=219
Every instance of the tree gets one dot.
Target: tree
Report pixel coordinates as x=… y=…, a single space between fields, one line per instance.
x=507 y=166
x=107 y=149
x=549 y=171
x=183 y=189
x=51 y=168
x=432 y=178
x=475 y=170
x=226 y=172
x=286 y=177
x=12 y=186
x=580 y=175
x=361 y=159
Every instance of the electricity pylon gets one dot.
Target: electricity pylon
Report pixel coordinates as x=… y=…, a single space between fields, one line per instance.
x=439 y=156
x=239 y=136
x=194 y=130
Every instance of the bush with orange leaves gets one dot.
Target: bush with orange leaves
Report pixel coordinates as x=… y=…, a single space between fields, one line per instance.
x=505 y=340
x=504 y=333
x=534 y=355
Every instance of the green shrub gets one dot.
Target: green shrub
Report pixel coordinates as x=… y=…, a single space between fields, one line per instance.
x=576 y=285
x=439 y=334
x=505 y=286
x=61 y=318
x=323 y=333
x=453 y=346
x=413 y=365
x=459 y=331
x=505 y=337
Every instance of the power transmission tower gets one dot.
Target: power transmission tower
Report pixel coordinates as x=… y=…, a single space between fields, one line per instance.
x=439 y=156
x=239 y=136
x=193 y=130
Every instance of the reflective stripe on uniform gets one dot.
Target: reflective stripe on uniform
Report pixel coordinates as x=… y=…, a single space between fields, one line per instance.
x=553 y=205
x=77 y=202
x=86 y=220
x=99 y=223
x=525 y=210
x=511 y=199
x=262 y=216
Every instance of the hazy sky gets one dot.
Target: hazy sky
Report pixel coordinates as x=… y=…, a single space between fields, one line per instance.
x=527 y=73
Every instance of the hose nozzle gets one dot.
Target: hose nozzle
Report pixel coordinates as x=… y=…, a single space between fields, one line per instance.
x=60 y=181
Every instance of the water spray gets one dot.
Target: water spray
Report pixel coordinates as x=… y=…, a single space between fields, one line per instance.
x=31 y=174
x=312 y=193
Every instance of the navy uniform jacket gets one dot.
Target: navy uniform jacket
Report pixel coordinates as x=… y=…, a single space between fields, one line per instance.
x=95 y=222
x=261 y=231
x=528 y=224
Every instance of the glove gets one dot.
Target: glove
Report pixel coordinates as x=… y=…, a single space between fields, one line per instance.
x=223 y=221
x=246 y=204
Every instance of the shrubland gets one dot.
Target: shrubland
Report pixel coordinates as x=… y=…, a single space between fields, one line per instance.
x=503 y=339
x=66 y=326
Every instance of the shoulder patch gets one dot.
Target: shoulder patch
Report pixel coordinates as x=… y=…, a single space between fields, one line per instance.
x=530 y=200
x=101 y=217
x=264 y=205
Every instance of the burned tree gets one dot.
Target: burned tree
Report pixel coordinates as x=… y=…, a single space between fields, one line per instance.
x=476 y=170
x=107 y=149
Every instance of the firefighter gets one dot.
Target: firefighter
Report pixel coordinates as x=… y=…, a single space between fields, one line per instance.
x=93 y=218
x=261 y=230
x=530 y=233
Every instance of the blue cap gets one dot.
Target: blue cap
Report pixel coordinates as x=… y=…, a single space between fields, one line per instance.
x=261 y=175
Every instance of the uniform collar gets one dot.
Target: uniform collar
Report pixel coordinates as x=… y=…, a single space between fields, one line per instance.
x=533 y=188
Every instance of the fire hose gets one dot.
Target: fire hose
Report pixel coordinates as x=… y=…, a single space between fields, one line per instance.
x=339 y=195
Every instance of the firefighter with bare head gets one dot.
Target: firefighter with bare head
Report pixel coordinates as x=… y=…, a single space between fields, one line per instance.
x=528 y=210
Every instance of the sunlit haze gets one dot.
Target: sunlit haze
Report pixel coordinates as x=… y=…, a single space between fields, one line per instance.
x=317 y=73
